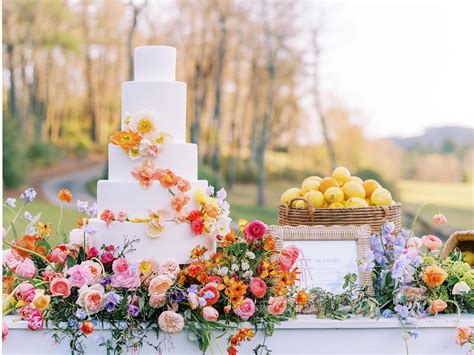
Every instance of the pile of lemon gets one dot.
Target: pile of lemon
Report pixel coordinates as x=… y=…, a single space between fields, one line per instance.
x=340 y=190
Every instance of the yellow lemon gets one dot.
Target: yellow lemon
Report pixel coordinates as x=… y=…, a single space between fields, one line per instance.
x=309 y=185
x=325 y=204
x=353 y=189
x=326 y=183
x=316 y=198
x=355 y=202
x=336 y=205
x=381 y=197
x=300 y=204
x=315 y=178
x=370 y=186
x=289 y=194
x=468 y=257
x=356 y=178
x=334 y=194
x=341 y=174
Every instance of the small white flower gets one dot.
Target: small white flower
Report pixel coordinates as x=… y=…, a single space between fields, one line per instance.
x=223 y=271
x=460 y=288
x=221 y=194
x=27 y=215
x=247 y=274
x=250 y=255
x=245 y=266
x=11 y=202
x=235 y=267
x=82 y=205
x=209 y=190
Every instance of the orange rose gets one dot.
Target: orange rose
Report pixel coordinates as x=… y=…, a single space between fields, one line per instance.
x=434 y=276
x=438 y=306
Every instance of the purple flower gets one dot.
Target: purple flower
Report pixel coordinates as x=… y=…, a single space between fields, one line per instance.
x=378 y=250
x=176 y=296
x=210 y=190
x=11 y=202
x=71 y=322
x=87 y=228
x=111 y=301
x=368 y=265
x=387 y=313
x=133 y=310
x=388 y=228
x=92 y=211
x=202 y=302
x=82 y=205
x=105 y=281
x=27 y=215
x=399 y=266
x=81 y=314
x=28 y=195
x=402 y=311
x=193 y=289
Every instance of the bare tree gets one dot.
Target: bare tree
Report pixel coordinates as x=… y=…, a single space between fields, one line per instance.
x=137 y=8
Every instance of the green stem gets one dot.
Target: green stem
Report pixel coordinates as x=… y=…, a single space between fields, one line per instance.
x=420 y=209
x=60 y=218
x=217 y=343
x=15 y=218
x=210 y=343
x=31 y=252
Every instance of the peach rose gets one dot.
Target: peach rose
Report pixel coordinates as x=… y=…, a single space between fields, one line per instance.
x=276 y=305
x=431 y=242
x=434 y=276
x=210 y=313
x=157 y=301
x=60 y=286
x=439 y=219
x=171 y=322
x=438 y=306
x=159 y=285
x=91 y=298
x=258 y=287
x=95 y=270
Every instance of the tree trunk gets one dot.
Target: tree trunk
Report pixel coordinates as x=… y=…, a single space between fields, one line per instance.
x=12 y=91
x=136 y=12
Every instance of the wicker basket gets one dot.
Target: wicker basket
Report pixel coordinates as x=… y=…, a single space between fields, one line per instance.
x=463 y=240
x=373 y=216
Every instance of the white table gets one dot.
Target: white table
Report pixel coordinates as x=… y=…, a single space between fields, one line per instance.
x=305 y=335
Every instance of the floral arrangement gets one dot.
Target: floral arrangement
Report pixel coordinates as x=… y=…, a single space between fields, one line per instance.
x=141 y=137
x=75 y=287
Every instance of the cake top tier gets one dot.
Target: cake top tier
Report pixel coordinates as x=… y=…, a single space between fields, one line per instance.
x=155 y=63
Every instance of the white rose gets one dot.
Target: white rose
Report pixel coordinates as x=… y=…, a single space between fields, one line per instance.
x=77 y=237
x=460 y=288
x=250 y=255
x=245 y=266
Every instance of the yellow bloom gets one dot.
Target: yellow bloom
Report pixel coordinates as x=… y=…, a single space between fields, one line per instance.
x=200 y=196
x=243 y=224
x=145 y=125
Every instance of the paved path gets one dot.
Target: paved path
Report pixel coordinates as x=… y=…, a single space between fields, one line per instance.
x=74 y=182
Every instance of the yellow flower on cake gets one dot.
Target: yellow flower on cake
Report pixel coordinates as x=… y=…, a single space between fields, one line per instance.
x=156 y=226
x=144 y=123
x=200 y=196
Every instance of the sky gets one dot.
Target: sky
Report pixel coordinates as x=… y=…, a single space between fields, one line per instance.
x=403 y=66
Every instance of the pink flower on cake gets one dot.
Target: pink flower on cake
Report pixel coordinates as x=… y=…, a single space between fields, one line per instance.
x=255 y=230
x=26 y=268
x=276 y=305
x=60 y=286
x=145 y=174
x=91 y=298
x=156 y=226
x=246 y=309
x=159 y=285
x=79 y=276
x=210 y=313
x=120 y=266
x=183 y=185
x=170 y=268
x=179 y=201
x=288 y=257
x=171 y=322
x=431 y=242
x=25 y=292
x=197 y=226
x=9 y=260
x=107 y=216
x=258 y=287
x=463 y=333
x=129 y=280
x=166 y=177
x=439 y=219
x=122 y=216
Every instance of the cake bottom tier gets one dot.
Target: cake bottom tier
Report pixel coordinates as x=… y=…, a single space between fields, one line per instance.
x=176 y=242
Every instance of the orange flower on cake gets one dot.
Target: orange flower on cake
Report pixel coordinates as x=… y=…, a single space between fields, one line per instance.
x=434 y=276
x=126 y=139
x=145 y=174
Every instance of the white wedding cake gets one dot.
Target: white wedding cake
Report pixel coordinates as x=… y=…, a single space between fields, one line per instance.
x=153 y=193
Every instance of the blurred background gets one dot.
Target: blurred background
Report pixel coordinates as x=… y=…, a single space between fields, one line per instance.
x=276 y=92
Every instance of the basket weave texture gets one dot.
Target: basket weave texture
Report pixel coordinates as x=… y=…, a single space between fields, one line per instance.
x=464 y=240
x=374 y=216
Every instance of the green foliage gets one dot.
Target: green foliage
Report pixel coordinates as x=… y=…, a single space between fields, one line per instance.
x=246 y=171
x=205 y=173
x=366 y=174
x=14 y=160
x=43 y=154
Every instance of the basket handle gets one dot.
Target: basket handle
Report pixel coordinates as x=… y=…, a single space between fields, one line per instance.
x=300 y=198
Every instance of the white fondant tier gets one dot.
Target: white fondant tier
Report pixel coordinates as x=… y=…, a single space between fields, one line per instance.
x=180 y=158
x=130 y=197
x=176 y=242
x=166 y=99
x=155 y=63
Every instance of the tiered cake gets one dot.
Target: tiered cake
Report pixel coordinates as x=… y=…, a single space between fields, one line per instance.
x=154 y=93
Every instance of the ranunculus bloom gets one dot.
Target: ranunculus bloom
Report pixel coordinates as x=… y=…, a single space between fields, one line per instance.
x=197 y=226
x=9 y=260
x=210 y=313
x=276 y=305
x=95 y=270
x=414 y=242
x=78 y=238
x=439 y=219
x=183 y=185
x=288 y=257
x=434 y=276
x=79 y=276
x=157 y=300
x=246 y=309
x=35 y=321
x=40 y=301
x=4 y=331
x=129 y=280
x=91 y=298
x=107 y=216
x=255 y=230
x=159 y=285
x=438 y=306
x=210 y=288
x=193 y=301
x=107 y=257
x=463 y=333
x=258 y=287
x=169 y=267
x=179 y=201
x=120 y=266
x=171 y=322
x=87 y=327
x=25 y=292
x=26 y=268
x=431 y=242
x=460 y=288
x=60 y=286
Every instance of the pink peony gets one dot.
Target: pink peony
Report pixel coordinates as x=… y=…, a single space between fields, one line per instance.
x=431 y=242
x=439 y=219
x=258 y=287
x=171 y=322
x=276 y=305
x=9 y=260
x=121 y=266
x=35 y=321
x=255 y=230
x=159 y=285
x=60 y=286
x=4 y=327
x=129 y=280
x=288 y=257
x=210 y=313
x=91 y=298
x=169 y=267
x=246 y=309
x=25 y=292
x=26 y=268
x=79 y=276
x=157 y=300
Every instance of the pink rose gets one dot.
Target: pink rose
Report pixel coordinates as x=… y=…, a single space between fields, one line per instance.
x=431 y=242
x=170 y=268
x=94 y=269
x=210 y=313
x=91 y=298
x=129 y=280
x=79 y=276
x=157 y=300
x=439 y=219
x=258 y=287
x=276 y=305
x=255 y=230
x=9 y=260
x=48 y=274
x=60 y=286
x=26 y=268
x=4 y=327
x=159 y=285
x=25 y=292
x=92 y=253
x=59 y=254
x=246 y=309
x=122 y=216
x=120 y=266
x=35 y=321
x=107 y=257
x=288 y=257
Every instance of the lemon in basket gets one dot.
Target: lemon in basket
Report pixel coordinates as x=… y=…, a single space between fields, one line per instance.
x=334 y=194
x=316 y=198
x=309 y=185
x=336 y=205
x=353 y=189
x=341 y=175
x=370 y=186
x=289 y=194
x=300 y=204
x=315 y=178
x=381 y=197
x=356 y=202
x=326 y=183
